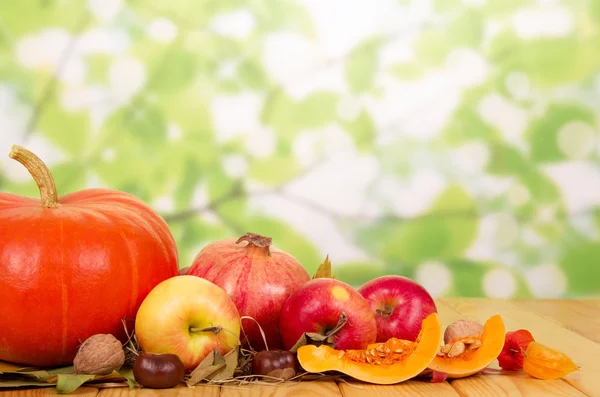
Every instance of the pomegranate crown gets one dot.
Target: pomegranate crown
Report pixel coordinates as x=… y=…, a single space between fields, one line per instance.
x=256 y=240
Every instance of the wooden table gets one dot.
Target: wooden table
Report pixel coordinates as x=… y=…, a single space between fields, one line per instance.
x=570 y=326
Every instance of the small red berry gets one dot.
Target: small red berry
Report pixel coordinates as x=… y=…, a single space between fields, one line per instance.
x=515 y=343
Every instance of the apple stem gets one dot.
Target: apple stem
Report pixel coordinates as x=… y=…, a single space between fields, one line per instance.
x=216 y=329
x=341 y=322
x=386 y=311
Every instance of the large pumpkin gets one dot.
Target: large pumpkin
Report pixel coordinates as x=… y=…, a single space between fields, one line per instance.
x=74 y=266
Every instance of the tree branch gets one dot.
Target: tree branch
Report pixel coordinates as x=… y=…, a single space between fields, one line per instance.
x=50 y=88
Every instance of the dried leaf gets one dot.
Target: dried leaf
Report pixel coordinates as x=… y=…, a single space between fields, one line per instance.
x=9 y=367
x=68 y=383
x=24 y=383
x=227 y=371
x=282 y=373
x=312 y=338
x=211 y=363
x=128 y=375
x=324 y=270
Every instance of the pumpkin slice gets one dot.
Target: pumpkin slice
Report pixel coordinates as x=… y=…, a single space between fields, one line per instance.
x=394 y=361
x=474 y=360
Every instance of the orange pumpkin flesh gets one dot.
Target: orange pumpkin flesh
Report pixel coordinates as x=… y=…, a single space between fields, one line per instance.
x=411 y=362
x=473 y=361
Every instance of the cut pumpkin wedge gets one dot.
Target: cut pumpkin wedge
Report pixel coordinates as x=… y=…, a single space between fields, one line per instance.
x=391 y=362
x=472 y=361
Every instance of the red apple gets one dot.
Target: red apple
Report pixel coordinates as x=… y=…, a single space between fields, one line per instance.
x=179 y=317
x=317 y=307
x=399 y=304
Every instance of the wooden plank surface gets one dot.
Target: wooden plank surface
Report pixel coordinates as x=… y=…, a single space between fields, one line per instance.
x=179 y=391
x=580 y=316
x=296 y=389
x=406 y=389
x=48 y=391
x=583 y=351
x=516 y=385
x=570 y=326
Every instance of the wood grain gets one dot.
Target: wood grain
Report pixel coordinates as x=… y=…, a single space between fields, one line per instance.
x=583 y=351
x=579 y=316
x=48 y=391
x=180 y=391
x=406 y=389
x=296 y=389
x=513 y=385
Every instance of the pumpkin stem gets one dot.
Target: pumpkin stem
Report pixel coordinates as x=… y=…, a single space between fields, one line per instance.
x=256 y=240
x=40 y=173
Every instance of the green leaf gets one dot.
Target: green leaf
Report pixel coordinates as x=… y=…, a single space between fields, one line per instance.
x=177 y=70
x=466 y=125
x=408 y=71
x=97 y=67
x=358 y=273
x=286 y=15
x=448 y=5
x=453 y=200
x=506 y=160
x=67 y=130
x=69 y=176
x=287 y=239
x=501 y=8
x=542 y=189
x=128 y=374
x=251 y=74
x=579 y=261
x=445 y=232
x=548 y=61
x=68 y=383
x=274 y=170
x=468 y=277
x=434 y=44
x=361 y=65
x=363 y=131
x=24 y=383
x=58 y=14
x=543 y=133
x=289 y=117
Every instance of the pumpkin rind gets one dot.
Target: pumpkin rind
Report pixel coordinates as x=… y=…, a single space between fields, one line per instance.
x=74 y=270
x=324 y=358
x=492 y=341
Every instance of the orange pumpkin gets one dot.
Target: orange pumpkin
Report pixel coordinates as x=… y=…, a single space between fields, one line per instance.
x=74 y=266
x=393 y=361
x=472 y=361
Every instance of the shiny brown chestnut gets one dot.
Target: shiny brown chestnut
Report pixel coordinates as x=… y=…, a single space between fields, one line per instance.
x=266 y=361
x=158 y=371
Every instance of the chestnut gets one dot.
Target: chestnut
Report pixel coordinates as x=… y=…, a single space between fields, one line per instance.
x=266 y=361
x=158 y=371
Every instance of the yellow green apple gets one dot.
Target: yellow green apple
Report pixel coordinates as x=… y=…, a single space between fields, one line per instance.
x=187 y=316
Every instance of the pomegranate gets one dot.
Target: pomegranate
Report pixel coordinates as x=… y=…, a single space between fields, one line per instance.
x=399 y=304
x=258 y=278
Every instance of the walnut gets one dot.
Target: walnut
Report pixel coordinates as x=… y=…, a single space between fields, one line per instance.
x=462 y=329
x=100 y=354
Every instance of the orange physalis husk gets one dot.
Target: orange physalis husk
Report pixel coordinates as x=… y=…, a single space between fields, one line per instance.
x=543 y=362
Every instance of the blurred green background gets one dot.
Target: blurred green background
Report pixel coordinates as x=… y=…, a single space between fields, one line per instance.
x=452 y=141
